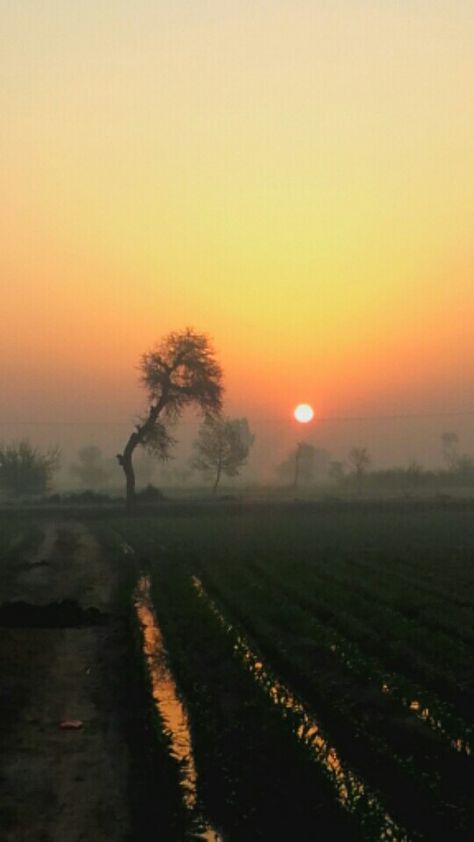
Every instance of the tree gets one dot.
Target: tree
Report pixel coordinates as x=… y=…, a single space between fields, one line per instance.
x=337 y=472
x=90 y=469
x=181 y=371
x=414 y=473
x=222 y=447
x=304 y=464
x=25 y=470
x=449 y=447
x=304 y=461
x=359 y=461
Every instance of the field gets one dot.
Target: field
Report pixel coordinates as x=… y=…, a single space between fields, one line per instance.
x=321 y=659
x=325 y=658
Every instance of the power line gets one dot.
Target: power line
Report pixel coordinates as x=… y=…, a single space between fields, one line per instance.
x=255 y=420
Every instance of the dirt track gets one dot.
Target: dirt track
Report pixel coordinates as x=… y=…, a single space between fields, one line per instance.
x=61 y=785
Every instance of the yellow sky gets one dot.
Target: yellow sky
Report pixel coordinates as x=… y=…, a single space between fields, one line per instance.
x=295 y=178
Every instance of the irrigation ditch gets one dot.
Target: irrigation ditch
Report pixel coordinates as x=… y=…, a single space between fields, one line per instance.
x=222 y=749
x=171 y=714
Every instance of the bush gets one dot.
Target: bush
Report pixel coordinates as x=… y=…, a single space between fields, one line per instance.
x=87 y=496
x=150 y=494
x=25 y=470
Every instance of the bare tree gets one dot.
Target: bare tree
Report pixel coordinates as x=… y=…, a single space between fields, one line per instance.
x=181 y=371
x=359 y=461
x=222 y=447
x=450 y=449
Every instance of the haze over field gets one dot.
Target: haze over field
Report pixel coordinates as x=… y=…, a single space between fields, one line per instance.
x=294 y=178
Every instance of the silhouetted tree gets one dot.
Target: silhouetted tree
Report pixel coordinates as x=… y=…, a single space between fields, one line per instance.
x=304 y=464
x=304 y=458
x=90 y=469
x=181 y=371
x=25 y=470
x=222 y=447
x=449 y=447
x=359 y=462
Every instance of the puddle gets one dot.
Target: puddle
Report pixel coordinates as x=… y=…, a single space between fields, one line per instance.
x=352 y=793
x=170 y=707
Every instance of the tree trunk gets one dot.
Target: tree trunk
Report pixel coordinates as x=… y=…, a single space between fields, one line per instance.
x=138 y=437
x=218 y=476
x=297 y=466
x=125 y=461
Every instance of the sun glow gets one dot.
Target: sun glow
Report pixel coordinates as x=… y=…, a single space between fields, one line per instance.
x=303 y=413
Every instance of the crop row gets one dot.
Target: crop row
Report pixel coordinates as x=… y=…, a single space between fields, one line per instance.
x=430 y=709
x=413 y=596
x=389 y=748
x=347 y=626
x=255 y=778
x=430 y=658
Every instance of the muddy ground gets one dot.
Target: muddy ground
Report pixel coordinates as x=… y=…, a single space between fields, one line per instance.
x=63 y=646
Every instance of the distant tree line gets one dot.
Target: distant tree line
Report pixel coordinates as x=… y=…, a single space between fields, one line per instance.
x=183 y=371
x=307 y=465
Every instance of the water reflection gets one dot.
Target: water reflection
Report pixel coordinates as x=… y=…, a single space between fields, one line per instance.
x=459 y=744
x=171 y=710
x=352 y=793
x=438 y=717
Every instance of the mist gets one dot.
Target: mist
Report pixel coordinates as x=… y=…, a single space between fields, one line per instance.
x=390 y=442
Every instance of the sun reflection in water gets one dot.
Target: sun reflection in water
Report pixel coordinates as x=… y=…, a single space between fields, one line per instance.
x=444 y=723
x=459 y=744
x=171 y=710
x=352 y=793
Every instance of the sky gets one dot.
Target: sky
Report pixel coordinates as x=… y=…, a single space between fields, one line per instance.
x=295 y=179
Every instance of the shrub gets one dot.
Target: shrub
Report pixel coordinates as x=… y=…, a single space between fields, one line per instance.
x=25 y=470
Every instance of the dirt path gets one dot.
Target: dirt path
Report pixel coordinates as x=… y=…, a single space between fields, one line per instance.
x=56 y=784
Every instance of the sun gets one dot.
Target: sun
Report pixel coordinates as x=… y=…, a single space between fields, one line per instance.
x=303 y=413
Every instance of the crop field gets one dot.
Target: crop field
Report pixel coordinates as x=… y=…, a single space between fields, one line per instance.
x=292 y=672
x=324 y=660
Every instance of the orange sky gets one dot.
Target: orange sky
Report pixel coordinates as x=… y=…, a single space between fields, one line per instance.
x=294 y=178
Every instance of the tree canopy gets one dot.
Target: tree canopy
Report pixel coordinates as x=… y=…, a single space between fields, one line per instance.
x=359 y=461
x=222 y=447
x=305 y=463
x=180 y=371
